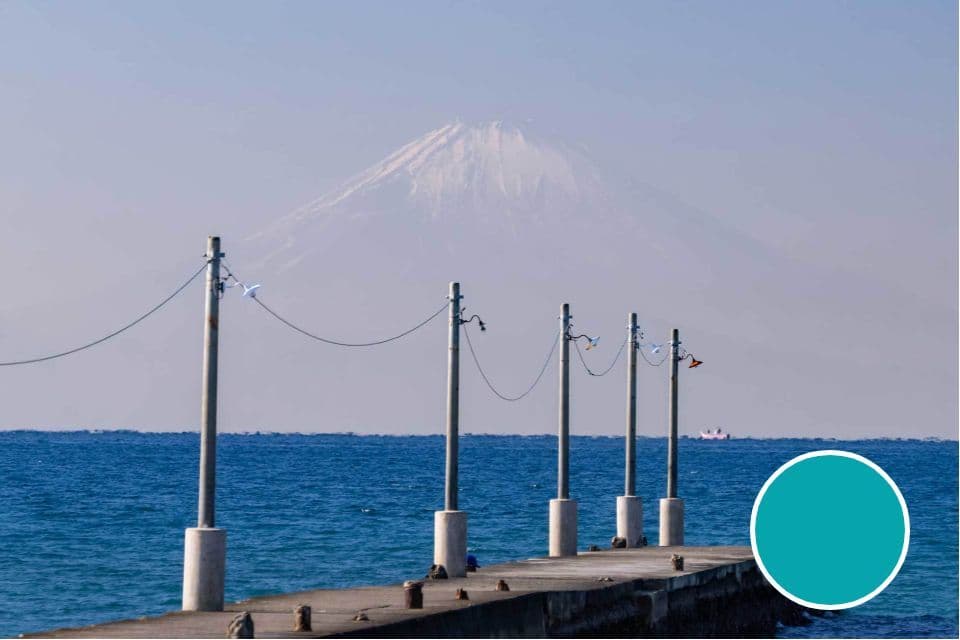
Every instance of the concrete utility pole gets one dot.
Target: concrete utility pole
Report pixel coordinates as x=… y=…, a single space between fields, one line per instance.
x=450 y=525
x=563 y=449
x=563 y=510
x=671 y=507
x=204 y=560
x=629 y=506
x=453 y=400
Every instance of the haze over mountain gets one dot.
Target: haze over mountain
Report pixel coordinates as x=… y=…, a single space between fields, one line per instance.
x=526 y=222
x=778 y=182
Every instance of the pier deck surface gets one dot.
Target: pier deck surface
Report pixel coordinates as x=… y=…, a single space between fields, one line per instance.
x=333 y=610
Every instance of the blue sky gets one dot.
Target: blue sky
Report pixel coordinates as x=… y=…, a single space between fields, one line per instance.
x=826 y=130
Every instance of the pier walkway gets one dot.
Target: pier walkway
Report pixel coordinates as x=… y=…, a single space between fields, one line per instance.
x=720 y=591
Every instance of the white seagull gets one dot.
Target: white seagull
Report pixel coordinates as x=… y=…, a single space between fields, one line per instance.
x=248 y=292
x=251 y=291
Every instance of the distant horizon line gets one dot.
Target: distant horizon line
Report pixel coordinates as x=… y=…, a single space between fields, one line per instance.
x=467 y=434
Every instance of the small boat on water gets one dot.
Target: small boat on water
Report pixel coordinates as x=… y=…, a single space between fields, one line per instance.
x=714 y=435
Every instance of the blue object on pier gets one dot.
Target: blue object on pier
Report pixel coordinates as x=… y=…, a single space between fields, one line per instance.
x=472 y=561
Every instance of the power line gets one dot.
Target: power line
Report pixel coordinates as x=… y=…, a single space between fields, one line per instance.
x=473 y=354
x=115 y=333
x=652 y=364
x=349 y=344
x=337 y=343
x=605 y=371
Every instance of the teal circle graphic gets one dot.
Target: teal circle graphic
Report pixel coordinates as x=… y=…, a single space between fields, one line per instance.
x=830 y=529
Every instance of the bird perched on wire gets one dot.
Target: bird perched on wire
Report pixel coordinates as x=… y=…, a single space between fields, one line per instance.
x=248 y=292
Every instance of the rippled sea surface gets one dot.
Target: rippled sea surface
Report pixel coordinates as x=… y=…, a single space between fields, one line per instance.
x=91 y=524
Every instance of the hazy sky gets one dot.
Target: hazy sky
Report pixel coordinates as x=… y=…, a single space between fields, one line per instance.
x=130 y=131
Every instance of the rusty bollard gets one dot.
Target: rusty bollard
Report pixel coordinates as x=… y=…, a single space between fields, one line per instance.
x=301 y=618
x=677 y=562
x=502 y=586
x=241 y=626
x=462 y=594
x=413 y=594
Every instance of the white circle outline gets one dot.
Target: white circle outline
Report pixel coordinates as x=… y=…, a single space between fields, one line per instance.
x=842 y=454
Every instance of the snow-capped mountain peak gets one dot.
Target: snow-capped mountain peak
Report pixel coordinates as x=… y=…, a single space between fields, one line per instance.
x=488 y=168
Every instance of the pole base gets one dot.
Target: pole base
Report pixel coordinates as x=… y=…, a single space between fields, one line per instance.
x=630 y=520
x=671 y=522
x=450 y=542
x=204 y=565
x=563 y=528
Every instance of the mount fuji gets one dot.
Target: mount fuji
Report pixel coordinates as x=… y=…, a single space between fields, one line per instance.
x=492 y=198
x=526 y=222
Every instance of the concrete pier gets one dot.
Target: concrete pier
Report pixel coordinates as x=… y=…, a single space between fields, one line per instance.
x=619 y=592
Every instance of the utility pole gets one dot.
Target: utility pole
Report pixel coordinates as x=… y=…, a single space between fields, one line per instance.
x=629 y=474
x=672 y=441
x=205 y=547
x=453 y=400
x=629 y=506
x=450 y=525
x=208 y=401
x=563 y=510
x=563 y=449
x=671 y=507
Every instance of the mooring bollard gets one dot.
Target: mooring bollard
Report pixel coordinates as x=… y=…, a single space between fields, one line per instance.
x=301 y=618
x=677 y=562
x=502 y=586
x=241 y=626
x=462 y=594
x=618 y=542
x=413 y=594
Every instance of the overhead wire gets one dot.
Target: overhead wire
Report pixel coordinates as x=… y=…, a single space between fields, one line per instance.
x=605 y=371
x=339 y=343
x=349 y=344
x=295 y=327
x=113 y=334
x=649 y=362
x=543 y=369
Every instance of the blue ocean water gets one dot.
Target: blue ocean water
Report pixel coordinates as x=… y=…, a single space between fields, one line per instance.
x=91 y=524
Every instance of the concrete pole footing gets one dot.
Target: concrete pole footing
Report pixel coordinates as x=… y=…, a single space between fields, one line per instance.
x=630 y=519
x=450 y=542
x=204 y=565
x=671 y=522
x=563 y=527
